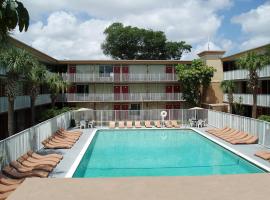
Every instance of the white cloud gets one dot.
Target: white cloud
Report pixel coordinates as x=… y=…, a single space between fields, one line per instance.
x=255 y=24
x=65 y=34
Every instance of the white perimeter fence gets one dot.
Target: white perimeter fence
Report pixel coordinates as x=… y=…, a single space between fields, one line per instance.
x=30 y=139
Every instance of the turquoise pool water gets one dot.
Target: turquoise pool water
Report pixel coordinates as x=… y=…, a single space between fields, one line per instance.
x=122 y=153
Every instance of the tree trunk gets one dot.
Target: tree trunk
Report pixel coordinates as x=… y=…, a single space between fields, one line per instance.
x=254 y=107
x=11 y=124
x=53 y=101
x=33 y=112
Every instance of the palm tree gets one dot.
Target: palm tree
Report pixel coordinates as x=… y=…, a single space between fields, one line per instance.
x=16 y=62
x=12 y=13
x=228 y=87
x=35 y=78
x=56 y=85
x=253 y=62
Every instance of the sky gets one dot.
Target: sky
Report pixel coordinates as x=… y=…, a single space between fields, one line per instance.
x=73 y=29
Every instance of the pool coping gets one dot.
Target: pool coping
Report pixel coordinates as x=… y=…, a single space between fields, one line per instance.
x=78 y=159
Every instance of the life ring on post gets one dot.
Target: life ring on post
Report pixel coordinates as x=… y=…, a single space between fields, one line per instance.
x=163 y=114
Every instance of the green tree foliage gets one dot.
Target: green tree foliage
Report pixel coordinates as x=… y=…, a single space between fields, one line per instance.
x=126 y=42
x=17 y=64
x=228 y=86
x=12 y=13
x=194 y=79
x=253 y=62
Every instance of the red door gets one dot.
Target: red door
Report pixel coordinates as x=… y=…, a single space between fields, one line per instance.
x=116 y=72
x=116 y=91
x=117 y=108
x=169 y=92
x=72 y=89
x=125 y=71
x=125 y=92
x=169 y=89
x=169 y=71
x=124 y=112
x=72 y=69
x=176 y=90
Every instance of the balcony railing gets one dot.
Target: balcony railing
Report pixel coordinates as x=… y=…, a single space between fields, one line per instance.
x=2 y=71
x=242 y=74
x=22 y=102
x=247 y=99
x=75 y=97
x=82 y=78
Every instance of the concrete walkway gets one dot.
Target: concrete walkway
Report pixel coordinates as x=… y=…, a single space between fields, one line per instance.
x=228 y=187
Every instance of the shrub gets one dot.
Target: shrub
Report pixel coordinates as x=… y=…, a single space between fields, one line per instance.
x=52 y=112
x=264 y=118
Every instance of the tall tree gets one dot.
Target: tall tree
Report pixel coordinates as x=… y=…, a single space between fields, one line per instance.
x=12 y=13
x=194 y=79
x=56 y=85
x=35 y=78
x=126 y=42
x=253 y=62
x=228 y=86
x=17 y=63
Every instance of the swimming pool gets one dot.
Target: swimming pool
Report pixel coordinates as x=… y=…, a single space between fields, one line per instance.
x=122 y=153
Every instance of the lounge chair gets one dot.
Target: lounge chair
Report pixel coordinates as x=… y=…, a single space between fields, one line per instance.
x=60 y=141
x=111 y=124
x=70 y=131
x=237 y=136
x=250 y=139
x=9 y=181
x=129 y=124
x=34 y=165
x=168 y=124
x=21 y=168
x=263 y=154
x=227 y=134
x=39 y=156
x=50 y=145
x=216 y=130
x=148 y=124
x=138 y=124
x=64 y=138
x=12 y=172
x=174 y=124
x=67 y=136
x=121 y=124
x=223 y=132
x=5 y=195
x=40 y=161
x=157 y=124
x=7 y=188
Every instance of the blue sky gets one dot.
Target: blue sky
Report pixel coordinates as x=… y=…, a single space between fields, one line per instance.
x=68 y=29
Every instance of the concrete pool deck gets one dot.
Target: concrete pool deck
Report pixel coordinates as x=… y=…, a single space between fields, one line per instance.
x=226 y=187
x=245 y=151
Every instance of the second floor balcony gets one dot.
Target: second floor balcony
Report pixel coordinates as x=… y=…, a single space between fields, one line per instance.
x=242 y=74
x=22 y=102
x=263 y=100
x=86 y=78
x=130 y=97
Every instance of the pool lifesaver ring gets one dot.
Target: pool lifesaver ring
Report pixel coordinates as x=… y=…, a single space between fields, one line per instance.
x=163 y=114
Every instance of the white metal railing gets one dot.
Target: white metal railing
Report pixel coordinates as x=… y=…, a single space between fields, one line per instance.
x=95 y=77
x=69 y=97
x=30 y=139
x=259 y=128
x=22 y=102
x=241 y=74
x=247 y=99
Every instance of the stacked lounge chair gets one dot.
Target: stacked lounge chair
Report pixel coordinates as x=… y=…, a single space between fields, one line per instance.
x=233 y=136
x=157 y=124
x=62 y=139
x=168 y=124
x=28 y=165
x=174 y=124
x=138 y=124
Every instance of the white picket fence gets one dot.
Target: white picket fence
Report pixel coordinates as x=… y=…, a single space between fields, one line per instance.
x=30 y=139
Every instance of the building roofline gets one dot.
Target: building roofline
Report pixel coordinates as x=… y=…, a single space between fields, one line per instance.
x=40 y=55
x=203 y=53
x=234 y=56
x=123 y=62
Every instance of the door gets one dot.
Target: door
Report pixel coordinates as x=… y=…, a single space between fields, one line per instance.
x=116 y=73
x=169 y=71
x=169 y=90
x=124 y=112
x=116 y=91
x=125 y=92
x=176 y=91
x=176 y=111
x=72 y=69
x=125 y=71
x=117 y=108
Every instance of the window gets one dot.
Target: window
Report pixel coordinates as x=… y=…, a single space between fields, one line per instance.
x=81 y=89
x=136 y=109
x=105 y=70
